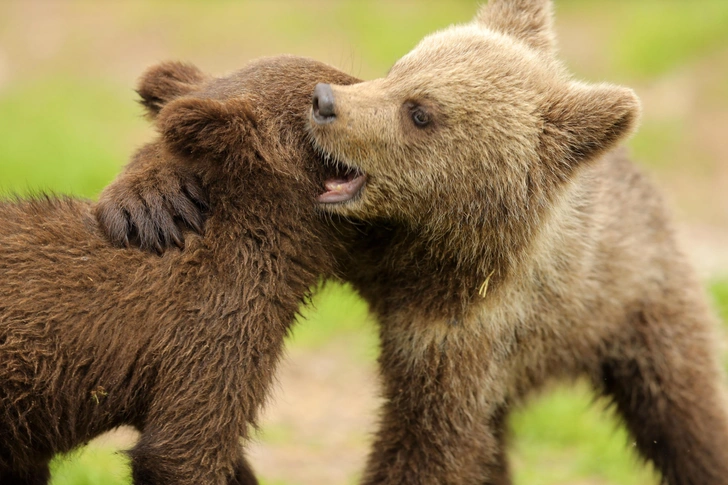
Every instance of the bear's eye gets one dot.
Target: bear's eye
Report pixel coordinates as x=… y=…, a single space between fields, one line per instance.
x=420 y=116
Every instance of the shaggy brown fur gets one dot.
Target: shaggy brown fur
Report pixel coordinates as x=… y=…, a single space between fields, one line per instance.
x=184 y=346
x=508 y=243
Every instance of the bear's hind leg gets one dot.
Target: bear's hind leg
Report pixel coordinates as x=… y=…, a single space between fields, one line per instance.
x=441 y=425
x=663 y=377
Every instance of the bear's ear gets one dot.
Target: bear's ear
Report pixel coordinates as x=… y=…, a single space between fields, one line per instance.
x=530 y=21
x=198 y=128
x=164 y=82
x=585 y=121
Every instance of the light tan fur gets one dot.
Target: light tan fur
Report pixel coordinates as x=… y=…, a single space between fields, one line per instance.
x=516 y=181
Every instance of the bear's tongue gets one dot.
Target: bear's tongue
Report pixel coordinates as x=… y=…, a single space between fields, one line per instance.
x=342 y=188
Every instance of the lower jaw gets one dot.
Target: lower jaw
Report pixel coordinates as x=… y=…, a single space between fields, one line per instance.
x=344 y=208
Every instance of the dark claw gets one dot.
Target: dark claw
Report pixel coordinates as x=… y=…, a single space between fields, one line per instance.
x=197 y=196
x=189 y=210
x=115 y=221
x=151 y=208
x=158 y=247
x=177 y=238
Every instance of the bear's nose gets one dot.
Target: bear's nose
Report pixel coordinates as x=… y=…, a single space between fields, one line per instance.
x=323 y=104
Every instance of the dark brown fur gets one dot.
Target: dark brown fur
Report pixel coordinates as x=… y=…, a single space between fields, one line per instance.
x=183 y=346
x=518 y=183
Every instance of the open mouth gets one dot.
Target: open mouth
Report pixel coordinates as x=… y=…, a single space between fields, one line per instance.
x=343 y=184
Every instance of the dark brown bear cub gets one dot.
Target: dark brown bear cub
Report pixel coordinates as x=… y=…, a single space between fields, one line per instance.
x=184 y=346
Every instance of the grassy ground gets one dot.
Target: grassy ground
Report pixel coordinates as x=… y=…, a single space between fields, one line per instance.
x=68 y=121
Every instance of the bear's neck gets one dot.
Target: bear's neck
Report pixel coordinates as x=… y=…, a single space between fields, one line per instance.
x=459 y=263
x=251 y=201
x=397 y=270
x=263 y=226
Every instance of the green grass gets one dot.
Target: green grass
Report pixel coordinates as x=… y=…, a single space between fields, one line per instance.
x=658 y=142
x=91 y=466
x=641 y=40
x=336 y=311
x=659 y=36
x=563 y=436
x=719 y=291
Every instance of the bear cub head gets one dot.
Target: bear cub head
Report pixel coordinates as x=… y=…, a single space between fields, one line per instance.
x=474 y=132
x=233 y=127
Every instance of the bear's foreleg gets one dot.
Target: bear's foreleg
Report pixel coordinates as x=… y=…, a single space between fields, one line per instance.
x=191 y=433
x=162 y=458
x=440 y=423
x=150 y=468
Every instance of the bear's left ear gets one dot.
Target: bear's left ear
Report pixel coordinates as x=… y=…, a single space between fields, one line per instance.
x=200 y=128
x=167 y=81
x=530 y=21
x=584 y=121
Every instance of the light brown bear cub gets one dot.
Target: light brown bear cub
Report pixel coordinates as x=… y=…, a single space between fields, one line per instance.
x=481 y=143
x=510 y=242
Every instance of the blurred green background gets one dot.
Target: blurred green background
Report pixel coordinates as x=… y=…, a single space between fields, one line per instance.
x=69 y=121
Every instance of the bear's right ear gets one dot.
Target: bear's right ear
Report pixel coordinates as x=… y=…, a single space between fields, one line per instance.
x=582 y=121
x=197 y=128
x=167 y=81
